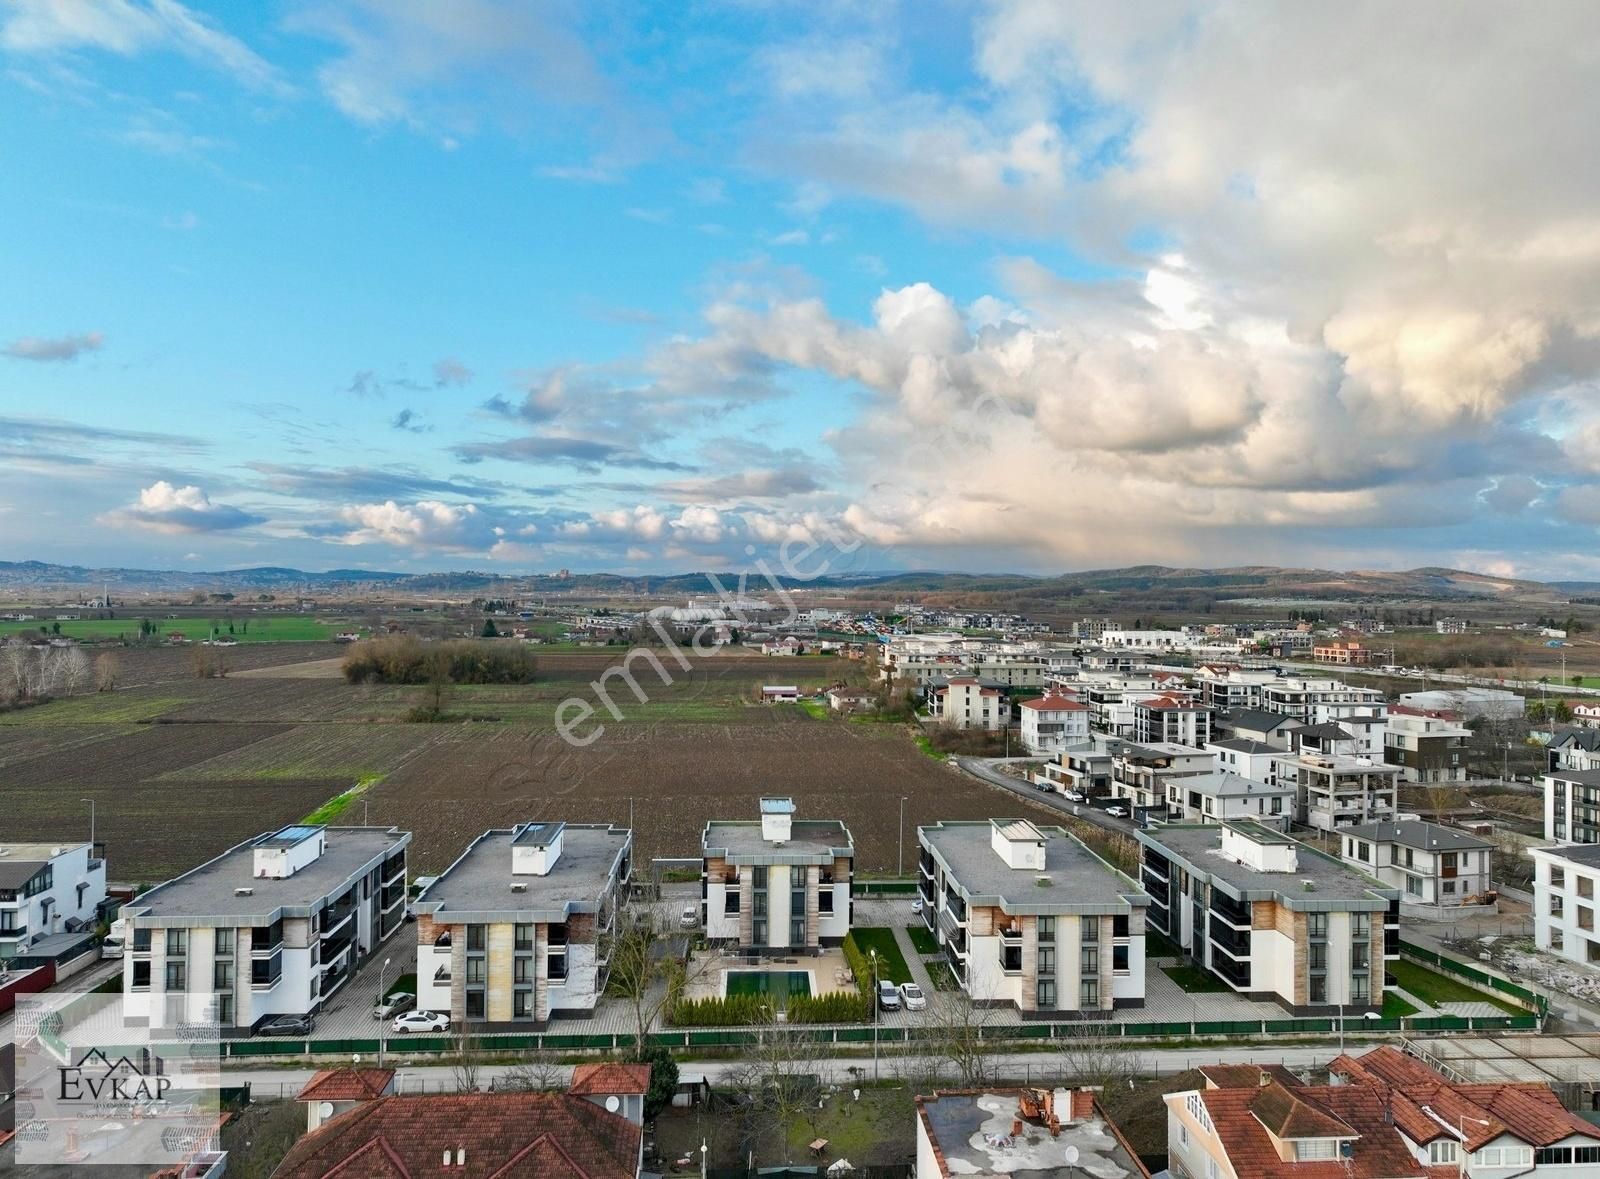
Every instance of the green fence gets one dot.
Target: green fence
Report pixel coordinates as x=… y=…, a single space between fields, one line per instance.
x=888 y=887
x=1536 y=1003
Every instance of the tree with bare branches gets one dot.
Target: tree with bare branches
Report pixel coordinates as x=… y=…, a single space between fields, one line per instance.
x=958 y=1038
x=778 y=1078
x=1093 y=1055
x=465 y=1059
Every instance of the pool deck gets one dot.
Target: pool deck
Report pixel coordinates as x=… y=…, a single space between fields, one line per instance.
x=708 y=972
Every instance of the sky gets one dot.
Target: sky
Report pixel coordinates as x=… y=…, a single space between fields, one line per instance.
x=1025 y=286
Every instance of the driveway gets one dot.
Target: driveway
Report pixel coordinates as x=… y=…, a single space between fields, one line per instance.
x=980 y=769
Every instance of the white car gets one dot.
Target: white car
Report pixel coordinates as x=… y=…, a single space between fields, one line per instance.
x=690 y=917
x=1074 y=796
x=1117 y=812
x=916 y=905
x=421 y=1021
x=911 y=997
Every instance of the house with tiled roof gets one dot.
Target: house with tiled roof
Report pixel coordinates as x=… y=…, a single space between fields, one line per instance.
x=1171 y=717
x=611 y=1085
x=965 y=702
x=1052 y=722
x=332 y=1091
x=507 y=1135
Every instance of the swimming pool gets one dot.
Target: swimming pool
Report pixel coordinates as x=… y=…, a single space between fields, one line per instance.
x=781 y=984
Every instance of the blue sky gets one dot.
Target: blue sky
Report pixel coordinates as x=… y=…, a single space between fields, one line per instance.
x=640 y=287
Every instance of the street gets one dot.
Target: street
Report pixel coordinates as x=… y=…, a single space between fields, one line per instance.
x=978 y=768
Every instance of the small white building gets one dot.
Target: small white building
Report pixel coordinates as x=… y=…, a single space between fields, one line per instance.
x=1051 y=723
x=1566 y=879
x=1218 y=797
x=780 y=694
x=1247 y=758
x=1430 y=864
x=47 y=889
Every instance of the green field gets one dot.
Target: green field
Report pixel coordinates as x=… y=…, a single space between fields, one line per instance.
x=251 y=629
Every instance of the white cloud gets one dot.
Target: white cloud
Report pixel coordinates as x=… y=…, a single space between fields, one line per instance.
x=427 y=525
x=54 y=347
x=127 y=28
x=161 y=507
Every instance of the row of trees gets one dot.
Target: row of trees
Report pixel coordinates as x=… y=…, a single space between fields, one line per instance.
x=401 y=659
x=29 y=674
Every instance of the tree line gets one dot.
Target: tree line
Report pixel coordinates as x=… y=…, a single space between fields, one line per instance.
x=404 y=660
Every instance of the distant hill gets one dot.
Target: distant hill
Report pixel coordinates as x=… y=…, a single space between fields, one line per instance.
x=1267 y=581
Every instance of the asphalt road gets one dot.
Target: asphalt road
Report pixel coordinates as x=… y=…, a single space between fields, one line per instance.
x=979 y=769
x=1020 y=1066
x=1436 y=679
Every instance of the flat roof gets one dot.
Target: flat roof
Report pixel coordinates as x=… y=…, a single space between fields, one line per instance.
x=1587 y=854
x=1339 y=763
x=1581 y=777
x=477 y=888
x=209 y=891
x=811 y=841
x=1335 y=885
x=1418 y=834
x=973 y=1133
x=39 y=851
x=1080 y=881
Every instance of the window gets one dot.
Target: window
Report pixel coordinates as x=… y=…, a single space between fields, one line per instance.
x=730 y=903
x=1363 y=852
x=1361 y=925
x=1089 y=993
x=1317 y=924
x=1553 y=1156
x=177 y=942
x=225 y=1009
x=522 y=970
x=1183 y=1134
x=1359 y=992
x=522 y=938
x=1090 y=927
x=476 y=939
x=1558 y=877
x=1119 y=959
x=1308 y=1149
x=1414 y=886
x=225 y=941
x=1047 y=960
x=1318 y=988
x=1585 y=917
x=222 y=976
x=522 y=1005
x=141 y=941
x=1045 y=996
x=1212 y=1172
x=1586 y=1154
x=476 y=970
x=475 y=1004
x=1317 y=956
x=141 y=975
x=1449 y=886
x=1360 y=955
x=1119 y=925
x=1089 y=963
x=825 y=901
x=1047 y=929
x=797 y=931
x=1557 y=940
x=1585 y=887
x=1196 y=1106
x=177 y=976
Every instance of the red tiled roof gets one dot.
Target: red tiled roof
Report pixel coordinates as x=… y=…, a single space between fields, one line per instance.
x=506 y=1135
x=609 y=1077
x=1166 y=701
x=1055 y=704
x=1248 y=1076
x=347 y=1084
x=1378 y=1152
x=1288 y=1115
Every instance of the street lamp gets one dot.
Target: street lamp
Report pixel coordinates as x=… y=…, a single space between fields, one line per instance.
x=382 y=970
x=900 y=863
x=872 y=956
x=90 y=801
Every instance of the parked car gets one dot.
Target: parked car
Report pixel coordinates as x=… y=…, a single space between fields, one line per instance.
x=690 y=917
x=916 y=904
x=1074 y=796
x=888 y=996
x=1117 y=812
x=912 y=997
x=1045 y=786
x=421 y=1021
x=287 y=1025
x=397 y=1002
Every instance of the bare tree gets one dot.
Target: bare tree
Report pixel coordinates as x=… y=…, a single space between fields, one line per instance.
x=1091 y=1054
x=105 y=672
x=957 y=1036
x=465 y=1060
x=648 y=969
x=539 y=1071
x=778 y=1077
x=74 y=670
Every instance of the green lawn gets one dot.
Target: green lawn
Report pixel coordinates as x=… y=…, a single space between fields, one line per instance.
x=1394 y=1007
x=922 y=939
x=253 y=629
x=1194 y=980
x=406 y=983
x=1435 y=988
x=891 y=962
x=1158 y=946
x=815 y=708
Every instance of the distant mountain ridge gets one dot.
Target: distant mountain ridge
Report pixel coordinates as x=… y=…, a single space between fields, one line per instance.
x=1238 y=581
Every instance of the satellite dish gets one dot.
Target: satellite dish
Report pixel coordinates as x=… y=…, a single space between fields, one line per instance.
x=324 y=1109
x=1071 y=1155
x=613 y=1104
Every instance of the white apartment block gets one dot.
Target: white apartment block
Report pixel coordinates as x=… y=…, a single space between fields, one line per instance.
x=1429 y=864
x=1272 y=918
x=1566 y=882
x=273 y=926
x=1171 y=718
x=1427 y=748
x=1572 y=806
x=1222 y=796
x=967 y=704
x=46 y=889
x=1031 y=918
x=1142 y=774
x=1051 y=723
x=778 y=885
x=1248 y=758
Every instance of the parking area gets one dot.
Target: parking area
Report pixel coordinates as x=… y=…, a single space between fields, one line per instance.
x=348 y=1014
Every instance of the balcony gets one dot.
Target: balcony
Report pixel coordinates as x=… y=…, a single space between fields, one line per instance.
x=951 y=926
x=1010 y=959
x=1236 y=974
x=12 y=933
x=1235 y=942
x=1010 y=936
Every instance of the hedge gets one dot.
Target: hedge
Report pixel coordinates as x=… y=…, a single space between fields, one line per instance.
x=835 y=1007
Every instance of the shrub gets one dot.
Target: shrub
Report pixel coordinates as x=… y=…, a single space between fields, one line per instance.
x=835 y=1007
x=663 y=1080
x=727 y=1011
x=404 y=660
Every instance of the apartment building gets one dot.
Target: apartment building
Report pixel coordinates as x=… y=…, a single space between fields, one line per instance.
x=1259 y=725
x=1228 y=689
x=1565 y=879
x=1576 y=749
x=1428 y=747
x=47 y=889
x=1385 y=1114
x=1223 y=795
x=1030 y=917
x=1309 y=700
x=778 y=884
x=273 y=926
x=1171 y=719
x=1572 y=806
x=1247 y=758
x=1336 y=790
x=1084 y=768
x=1272 y=918
x=1429 y=864
x=1113 y=695
x=1346 y=652
x=1051 y=723
x=1142 y=773
x=969 y=704
x=514 y=933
